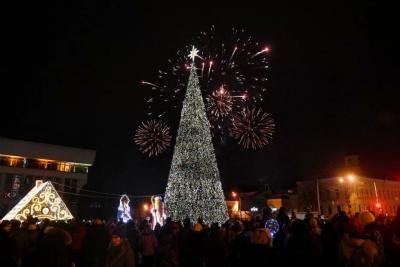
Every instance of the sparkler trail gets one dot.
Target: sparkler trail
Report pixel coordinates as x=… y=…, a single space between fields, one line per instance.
x=260 y=52
x=209 y=68
x=233 y=53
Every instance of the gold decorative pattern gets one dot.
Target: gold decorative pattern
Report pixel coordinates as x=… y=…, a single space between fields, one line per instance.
x=42 y=202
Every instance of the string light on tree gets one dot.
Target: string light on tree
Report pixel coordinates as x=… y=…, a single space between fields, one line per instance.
x=194 y=189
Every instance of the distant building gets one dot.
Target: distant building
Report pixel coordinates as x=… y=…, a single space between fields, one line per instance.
x=245 y=205
x=22 y=162
x=350 y=194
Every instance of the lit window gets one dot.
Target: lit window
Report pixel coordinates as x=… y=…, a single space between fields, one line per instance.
x=43 y=164
x=13 y=162
x=67 y=168
x=64 y=167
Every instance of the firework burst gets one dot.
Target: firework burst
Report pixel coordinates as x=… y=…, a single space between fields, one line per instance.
x=219 y=103
x=233 y=71
x=232 y=60
x=152 y=137
x=253 y=128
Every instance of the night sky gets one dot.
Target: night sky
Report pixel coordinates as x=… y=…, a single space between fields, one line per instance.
x=71 y=73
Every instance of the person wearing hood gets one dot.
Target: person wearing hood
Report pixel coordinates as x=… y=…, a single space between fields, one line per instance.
x=53 y=247
x=239 y=244
x=119 y=253
x=358 y=244
x=351 y=242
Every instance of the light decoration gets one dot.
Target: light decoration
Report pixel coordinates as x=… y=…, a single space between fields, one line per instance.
x=194 y=189
x=194 y=53
x=42 y=202
x=254 y=209
x=124 y=210
x=272 y=225
x=157 y=211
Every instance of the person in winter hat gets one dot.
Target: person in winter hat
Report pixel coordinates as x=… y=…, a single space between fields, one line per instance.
x=359 y=245
x=366 y=217
x=119 y=253
x=198 y=227
x=355 y=225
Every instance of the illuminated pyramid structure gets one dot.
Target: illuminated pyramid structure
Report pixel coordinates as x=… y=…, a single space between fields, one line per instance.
x=42 y=202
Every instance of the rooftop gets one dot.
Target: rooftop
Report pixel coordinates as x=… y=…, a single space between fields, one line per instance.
x=12 y=147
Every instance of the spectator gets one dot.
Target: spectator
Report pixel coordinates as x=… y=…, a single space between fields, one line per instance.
x=119 y=253
x=53 y=251
x=6 y=255
x=95 y=244
x=149 y=246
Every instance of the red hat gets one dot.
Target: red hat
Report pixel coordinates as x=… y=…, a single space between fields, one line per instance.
x=355 y=225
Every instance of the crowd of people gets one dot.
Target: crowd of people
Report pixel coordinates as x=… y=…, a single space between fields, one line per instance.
x=362 y=239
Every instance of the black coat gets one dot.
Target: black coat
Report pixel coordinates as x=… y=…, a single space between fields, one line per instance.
x=124 y=258
x=6 y=245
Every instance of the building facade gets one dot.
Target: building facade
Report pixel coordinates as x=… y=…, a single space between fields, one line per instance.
x=350 y=194
x=22 y=162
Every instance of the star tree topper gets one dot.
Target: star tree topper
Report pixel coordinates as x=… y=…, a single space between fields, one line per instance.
x=194 y=53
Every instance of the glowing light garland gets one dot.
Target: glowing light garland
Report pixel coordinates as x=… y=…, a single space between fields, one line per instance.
x=272 y=225
x=42 y=202
x=157 y=211
x=124 y=210
x=194 y=188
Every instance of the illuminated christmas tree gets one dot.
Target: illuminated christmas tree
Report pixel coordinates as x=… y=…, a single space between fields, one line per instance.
x=194 y=188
